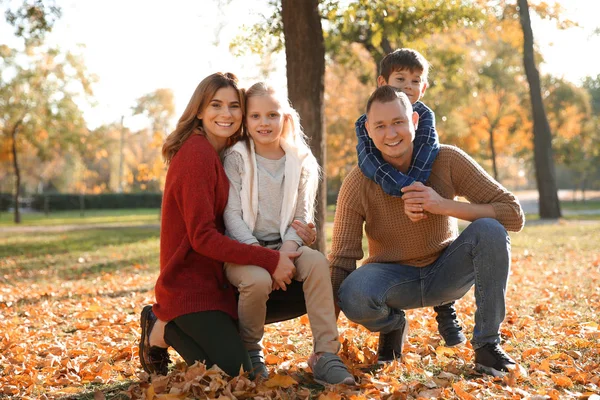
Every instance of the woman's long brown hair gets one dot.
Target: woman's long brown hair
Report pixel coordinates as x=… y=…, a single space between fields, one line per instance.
x=189 y=123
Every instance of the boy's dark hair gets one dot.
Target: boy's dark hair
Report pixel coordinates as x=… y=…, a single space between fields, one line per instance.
x=386 y=94
x=404 y=59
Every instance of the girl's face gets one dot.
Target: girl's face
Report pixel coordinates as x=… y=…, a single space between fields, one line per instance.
x=222 y=117
x=264 y=120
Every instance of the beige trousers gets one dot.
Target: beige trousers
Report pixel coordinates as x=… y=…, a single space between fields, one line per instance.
x=255 y=284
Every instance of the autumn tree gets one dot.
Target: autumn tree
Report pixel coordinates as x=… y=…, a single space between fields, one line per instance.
x=542 y=137
x=39 y=88
x=305 y=56
x=147 y=168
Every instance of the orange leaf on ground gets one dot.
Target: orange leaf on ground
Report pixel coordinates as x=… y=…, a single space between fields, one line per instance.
x=461 y=393
x=283 y=381
x=562 y=381
x=272 y=359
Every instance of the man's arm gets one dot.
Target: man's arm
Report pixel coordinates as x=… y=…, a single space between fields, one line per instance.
x=346 y=245
x=419 y=198
x=487 y=198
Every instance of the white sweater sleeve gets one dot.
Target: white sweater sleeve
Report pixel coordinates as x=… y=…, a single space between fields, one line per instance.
x=303 y=208
x=234 y=222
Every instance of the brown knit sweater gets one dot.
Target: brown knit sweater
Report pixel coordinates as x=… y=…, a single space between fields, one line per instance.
x=392 y=236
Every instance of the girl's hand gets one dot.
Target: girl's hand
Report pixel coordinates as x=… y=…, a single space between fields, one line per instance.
x=307 y=232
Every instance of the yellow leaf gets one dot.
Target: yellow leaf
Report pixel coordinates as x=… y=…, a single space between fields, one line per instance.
x=283 y=381
x=444 y=351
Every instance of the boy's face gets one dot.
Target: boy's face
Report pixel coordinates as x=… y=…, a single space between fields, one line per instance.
x=392 y=129
x=409 y=82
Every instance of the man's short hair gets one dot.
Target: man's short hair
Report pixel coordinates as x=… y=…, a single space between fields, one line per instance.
x=386 y=94
x=404 y=59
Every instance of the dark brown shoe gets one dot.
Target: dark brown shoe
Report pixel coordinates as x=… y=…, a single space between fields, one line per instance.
x=154 y=359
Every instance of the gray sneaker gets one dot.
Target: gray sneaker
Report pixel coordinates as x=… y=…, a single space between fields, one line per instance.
x=328 y=369
x=258 y=364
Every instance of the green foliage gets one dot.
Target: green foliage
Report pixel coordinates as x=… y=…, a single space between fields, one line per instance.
x=57 y=201
x=383 y=26
x=592 y=85
x=32 y=19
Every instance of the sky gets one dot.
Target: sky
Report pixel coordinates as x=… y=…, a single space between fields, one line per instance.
x=137 y=46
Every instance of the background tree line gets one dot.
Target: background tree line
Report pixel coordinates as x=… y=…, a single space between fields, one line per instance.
x=478 y=90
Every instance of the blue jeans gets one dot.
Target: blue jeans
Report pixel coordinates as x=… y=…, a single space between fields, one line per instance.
x=375 y=295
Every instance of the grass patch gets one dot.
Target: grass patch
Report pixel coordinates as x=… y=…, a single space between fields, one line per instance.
x=123 y=216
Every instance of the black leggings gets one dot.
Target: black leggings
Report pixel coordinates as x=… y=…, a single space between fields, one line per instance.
x=212 y=336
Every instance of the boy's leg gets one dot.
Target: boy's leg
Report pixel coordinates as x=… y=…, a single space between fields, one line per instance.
x=448 y=325
x=210 y=337
x=254 y=285
x=312 y=268
x=480 y=256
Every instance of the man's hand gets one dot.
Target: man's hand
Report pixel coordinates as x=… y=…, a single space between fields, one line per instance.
x=419 y=198
x=307 y=232
x=285 y=270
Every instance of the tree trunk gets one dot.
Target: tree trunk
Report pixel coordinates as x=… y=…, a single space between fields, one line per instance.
x=542 y=138
x=17 y=215
x=305 y=57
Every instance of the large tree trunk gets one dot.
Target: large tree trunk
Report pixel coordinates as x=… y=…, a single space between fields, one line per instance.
x=305 y=56
x=542 y=138
x=17 y=218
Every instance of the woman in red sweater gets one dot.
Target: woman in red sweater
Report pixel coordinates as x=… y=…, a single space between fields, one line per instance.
x=192 y=292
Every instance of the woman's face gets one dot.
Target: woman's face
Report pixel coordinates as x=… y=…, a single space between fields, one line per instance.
x=222 y=117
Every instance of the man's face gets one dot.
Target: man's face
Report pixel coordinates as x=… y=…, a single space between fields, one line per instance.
x=410 y=82
x=392 y=129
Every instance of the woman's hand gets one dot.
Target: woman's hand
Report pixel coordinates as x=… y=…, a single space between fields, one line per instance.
x=307 y=232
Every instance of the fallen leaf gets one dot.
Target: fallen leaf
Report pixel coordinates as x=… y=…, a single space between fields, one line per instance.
x=283 y=381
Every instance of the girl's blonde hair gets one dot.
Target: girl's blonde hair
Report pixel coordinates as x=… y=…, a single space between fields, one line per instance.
x=293 y=134
x=189 y=124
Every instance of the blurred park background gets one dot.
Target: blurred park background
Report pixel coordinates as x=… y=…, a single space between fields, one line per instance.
x=89 y=90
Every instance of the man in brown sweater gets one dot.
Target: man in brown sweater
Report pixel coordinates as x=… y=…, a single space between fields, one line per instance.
x=416 y=256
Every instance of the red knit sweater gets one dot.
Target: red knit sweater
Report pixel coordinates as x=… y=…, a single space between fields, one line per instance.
x=192 y=245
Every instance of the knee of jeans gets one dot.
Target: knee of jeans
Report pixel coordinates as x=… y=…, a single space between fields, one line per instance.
x=490 y=229
x=356 y=304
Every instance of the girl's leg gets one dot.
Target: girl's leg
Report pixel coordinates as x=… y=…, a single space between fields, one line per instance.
x=210 y=337
x=312 y=268
x=254 y=285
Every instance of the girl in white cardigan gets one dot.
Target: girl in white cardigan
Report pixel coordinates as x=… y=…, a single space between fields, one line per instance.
x=273 y=181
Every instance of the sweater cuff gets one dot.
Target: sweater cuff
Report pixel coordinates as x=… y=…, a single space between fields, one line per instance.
x=337 y=277
x=266 y=258
x=511 y=219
